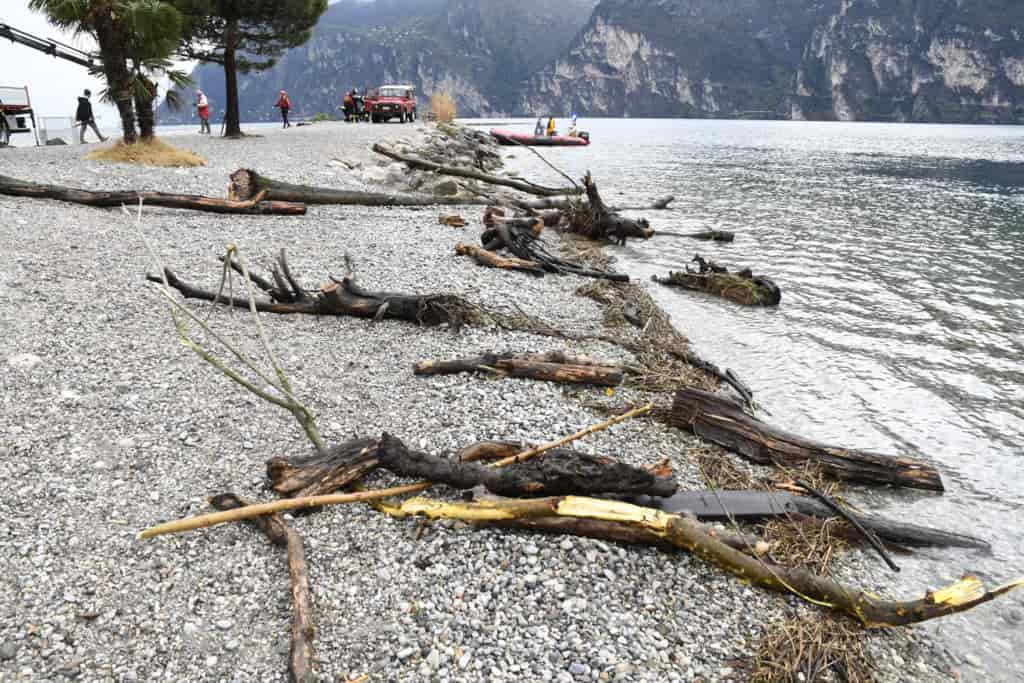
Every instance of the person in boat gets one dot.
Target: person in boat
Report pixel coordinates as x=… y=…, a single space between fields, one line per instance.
x=573 y=131
x=551 y=126
x=538 y=130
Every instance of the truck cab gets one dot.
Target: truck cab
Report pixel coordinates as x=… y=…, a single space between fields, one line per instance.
x=392 y=102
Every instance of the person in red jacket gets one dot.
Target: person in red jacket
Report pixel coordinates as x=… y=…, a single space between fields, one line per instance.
x=285 y=105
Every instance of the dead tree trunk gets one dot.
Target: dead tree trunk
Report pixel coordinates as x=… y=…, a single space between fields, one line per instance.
x=300 y=664
x=253 y=205
x=724 y=423
x=531 y=366
x=596 y=221
x=338 y=297
x=472 y=174
x=246 y=183
x=492 y=260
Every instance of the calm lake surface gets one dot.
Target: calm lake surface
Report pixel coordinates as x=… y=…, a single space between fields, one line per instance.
x=899 y=250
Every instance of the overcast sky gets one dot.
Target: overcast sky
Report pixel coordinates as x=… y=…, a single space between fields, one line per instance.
x=53 y=84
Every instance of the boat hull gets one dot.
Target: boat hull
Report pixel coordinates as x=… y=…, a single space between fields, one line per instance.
x=505 y=137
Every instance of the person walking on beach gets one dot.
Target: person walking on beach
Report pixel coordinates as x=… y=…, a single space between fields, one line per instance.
x=84 y=117
x=285 y=105
x=203 y=107
x=551 y=126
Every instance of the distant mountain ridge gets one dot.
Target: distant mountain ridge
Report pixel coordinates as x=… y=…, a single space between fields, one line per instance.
x=888 y=60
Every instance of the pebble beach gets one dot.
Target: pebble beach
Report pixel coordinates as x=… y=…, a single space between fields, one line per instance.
x=108 y=425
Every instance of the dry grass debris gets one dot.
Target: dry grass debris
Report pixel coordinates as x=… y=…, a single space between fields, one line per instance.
x=153 y=152
x=811 y=648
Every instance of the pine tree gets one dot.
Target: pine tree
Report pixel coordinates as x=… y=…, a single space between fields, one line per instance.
x=243 y=36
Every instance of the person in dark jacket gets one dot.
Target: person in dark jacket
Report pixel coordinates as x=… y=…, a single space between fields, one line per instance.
x=84 y=117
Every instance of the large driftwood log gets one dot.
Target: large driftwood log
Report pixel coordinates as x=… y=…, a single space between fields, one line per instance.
x=337 y=297
x=473 y=174
x=595 y=220
x=557 y=472
x=749 y=291
x=246 y=183
x=300 y=661
x=555 y=367
x=685 y=534
x=105 y=199
x=724 y=423
x=492 y=260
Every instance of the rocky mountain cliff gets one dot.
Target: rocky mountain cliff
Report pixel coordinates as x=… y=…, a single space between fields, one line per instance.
x=477 y=50
x=915 y=60
x=902 y=60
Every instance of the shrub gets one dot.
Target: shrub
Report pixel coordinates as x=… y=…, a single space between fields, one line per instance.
x=443 y=107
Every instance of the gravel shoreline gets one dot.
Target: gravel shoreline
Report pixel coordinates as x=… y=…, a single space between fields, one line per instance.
x=109 y=425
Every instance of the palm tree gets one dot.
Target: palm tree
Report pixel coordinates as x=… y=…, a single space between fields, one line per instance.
x=135 y=38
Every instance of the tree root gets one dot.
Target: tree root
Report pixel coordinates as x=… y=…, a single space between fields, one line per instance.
x=339 y=297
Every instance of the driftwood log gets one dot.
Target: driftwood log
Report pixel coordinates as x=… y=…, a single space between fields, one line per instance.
x=254 y=205
x=564 y=204
x=557 y=472
x=712 y=235
x=300 y=660
x=595 y=220
x=756 y=505
x=473 y=174
x=551 y=367
x=722 y=422
x=684 y=533
x=246 y=183
x=337 y=297
x=493 y=260
x=741 y=287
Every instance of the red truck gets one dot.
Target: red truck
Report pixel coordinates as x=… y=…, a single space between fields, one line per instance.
x=392 y=102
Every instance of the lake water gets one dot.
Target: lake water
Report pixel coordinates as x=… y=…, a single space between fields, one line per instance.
x=899 y=250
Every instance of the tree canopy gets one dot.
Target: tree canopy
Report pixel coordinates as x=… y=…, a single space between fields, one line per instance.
x=244 y=35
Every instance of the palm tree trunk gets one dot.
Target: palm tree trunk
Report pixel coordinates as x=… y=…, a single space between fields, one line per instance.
x=144 y=108
x=232 y=123
x=110 y=36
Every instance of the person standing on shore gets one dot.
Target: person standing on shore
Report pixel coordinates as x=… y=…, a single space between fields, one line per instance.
x=84 y=117
x=285 y=105
x=203 y=107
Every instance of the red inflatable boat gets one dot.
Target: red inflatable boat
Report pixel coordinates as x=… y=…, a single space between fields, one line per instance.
x=508 y=137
